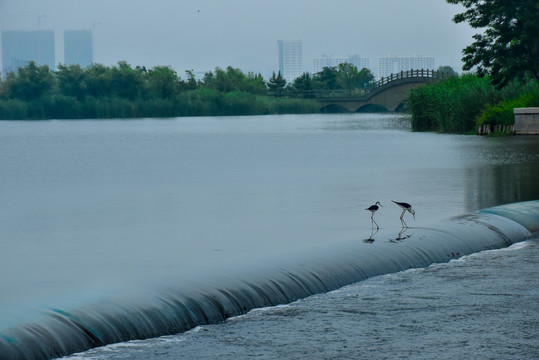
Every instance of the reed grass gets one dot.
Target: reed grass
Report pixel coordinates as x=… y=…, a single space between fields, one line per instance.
x=460 y=104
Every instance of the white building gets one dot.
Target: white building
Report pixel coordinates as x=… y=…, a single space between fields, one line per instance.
x=331 y=61
x=359 y=62
x=394 y=64
x=290 y=59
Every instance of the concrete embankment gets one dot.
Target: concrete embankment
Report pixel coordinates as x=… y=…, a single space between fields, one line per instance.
x=526 y=123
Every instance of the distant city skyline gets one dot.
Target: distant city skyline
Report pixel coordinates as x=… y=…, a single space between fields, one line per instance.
x=19 y=47
x=204 y=34
x=393 y=64
x=332 y=61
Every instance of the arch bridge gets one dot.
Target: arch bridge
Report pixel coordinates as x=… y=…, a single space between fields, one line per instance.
x=388 y=94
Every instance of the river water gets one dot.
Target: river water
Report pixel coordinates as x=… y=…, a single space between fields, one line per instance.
x=90 y=209
x=482 y=306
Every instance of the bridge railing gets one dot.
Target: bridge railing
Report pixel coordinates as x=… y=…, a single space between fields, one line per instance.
x=412 y=73
x=325 y=93
x=419 y=73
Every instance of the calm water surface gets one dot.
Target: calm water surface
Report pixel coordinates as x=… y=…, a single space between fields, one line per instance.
x=93 y=208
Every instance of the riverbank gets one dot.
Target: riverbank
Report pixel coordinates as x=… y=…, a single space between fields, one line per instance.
x=103 y=92
x=467 y=103
x=190 y=103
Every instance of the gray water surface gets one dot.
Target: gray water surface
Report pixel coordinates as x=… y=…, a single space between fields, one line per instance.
x=89 y=209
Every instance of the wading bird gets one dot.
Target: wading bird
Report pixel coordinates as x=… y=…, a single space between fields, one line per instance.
x=373 y=209
x=405 y=207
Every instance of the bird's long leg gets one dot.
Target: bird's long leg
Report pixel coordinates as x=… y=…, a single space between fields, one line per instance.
x=372 y=218
x=403 y=223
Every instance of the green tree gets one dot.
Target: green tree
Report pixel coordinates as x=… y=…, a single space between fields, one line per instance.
x=228 y=80
x=126 y=82
x=304 y=84
x=191 y=83
x=98 y=80
x=233 y=79
x=366 y=78
x=3 y=89
x=29 y=82
x=327 y=78
x=509 y=46
x=276 y=84
x=255 y=84
x=347 y=76
x=71 y=81
x=446 y=71
x=208 y=78
x=162 y=82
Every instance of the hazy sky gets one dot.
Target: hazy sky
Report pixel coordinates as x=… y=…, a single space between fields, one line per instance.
x=204 y=34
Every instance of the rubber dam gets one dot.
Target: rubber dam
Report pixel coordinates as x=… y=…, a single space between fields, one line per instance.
x=178 y=307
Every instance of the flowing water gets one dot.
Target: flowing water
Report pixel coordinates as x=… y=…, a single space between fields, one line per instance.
x=94 y=209
x=482 y=306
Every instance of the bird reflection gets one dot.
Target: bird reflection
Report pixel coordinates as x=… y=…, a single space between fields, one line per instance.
x=400 y=237
x=370 y=240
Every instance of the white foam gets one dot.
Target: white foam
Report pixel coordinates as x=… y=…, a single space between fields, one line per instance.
x=514 y=247
x=257 y=310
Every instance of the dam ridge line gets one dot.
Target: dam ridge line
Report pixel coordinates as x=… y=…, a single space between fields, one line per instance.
x=177 y=309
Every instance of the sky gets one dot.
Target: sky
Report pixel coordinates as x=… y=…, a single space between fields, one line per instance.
x=204 y=34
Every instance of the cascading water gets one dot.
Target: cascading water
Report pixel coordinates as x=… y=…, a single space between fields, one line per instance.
x=178 y=307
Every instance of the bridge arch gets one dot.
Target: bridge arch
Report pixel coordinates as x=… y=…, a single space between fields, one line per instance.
x=334 y=109
x=389 y=93
x=372 y=108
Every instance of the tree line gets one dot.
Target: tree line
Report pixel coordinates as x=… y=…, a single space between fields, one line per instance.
x=99 y=91
x=504 y=66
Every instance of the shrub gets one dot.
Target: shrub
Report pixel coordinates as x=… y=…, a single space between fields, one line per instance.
x=451 y=105
x=13 y=110
x=502 y=112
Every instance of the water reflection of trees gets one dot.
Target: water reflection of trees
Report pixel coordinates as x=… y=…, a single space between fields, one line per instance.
x=494 y=185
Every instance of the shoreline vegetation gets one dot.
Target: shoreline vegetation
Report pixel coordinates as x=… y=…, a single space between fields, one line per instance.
x=503 y=58
x=35 y=92
x=462 y=104
x=101 y=92
x=457 y=104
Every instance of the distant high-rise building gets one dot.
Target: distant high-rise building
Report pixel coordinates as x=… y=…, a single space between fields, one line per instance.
x=327 y=61
x=359 y=62
x=78 y=47
x=20 y=47
x=330 y=61
x=290 y=59
x=393 y=64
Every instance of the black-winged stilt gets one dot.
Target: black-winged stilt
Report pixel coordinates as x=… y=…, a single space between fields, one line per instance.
x=373 y=209
x=405 y=207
